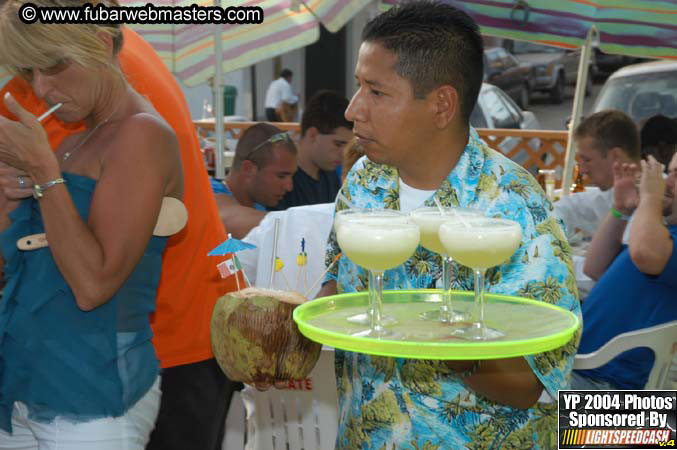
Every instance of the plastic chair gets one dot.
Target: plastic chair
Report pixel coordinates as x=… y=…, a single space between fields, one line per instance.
x=286 y=419
x=234 y=436
x=662 y=339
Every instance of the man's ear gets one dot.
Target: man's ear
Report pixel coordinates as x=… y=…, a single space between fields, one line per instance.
x=445 y=104
x=248 y=168
x=311 y=134
x=617 y=154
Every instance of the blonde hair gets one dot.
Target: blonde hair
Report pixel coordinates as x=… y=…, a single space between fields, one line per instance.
x=38 y=45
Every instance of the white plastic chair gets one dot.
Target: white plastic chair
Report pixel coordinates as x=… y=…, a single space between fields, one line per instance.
x=284 y=419
x=234 y=437
x=662 y=339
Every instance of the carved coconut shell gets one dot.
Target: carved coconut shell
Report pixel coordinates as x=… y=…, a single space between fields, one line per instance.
x=255 y=339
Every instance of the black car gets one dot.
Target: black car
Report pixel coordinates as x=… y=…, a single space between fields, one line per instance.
x=514 y=77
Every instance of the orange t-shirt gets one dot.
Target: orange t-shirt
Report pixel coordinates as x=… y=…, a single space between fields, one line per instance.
x=190 y=283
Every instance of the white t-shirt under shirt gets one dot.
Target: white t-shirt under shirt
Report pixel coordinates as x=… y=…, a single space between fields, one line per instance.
x=412 y=198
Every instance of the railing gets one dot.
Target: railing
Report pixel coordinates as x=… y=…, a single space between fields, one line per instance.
x=533 y=149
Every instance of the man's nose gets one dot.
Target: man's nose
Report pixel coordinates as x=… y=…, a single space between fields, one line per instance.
x=289 y=184
x=356 y=111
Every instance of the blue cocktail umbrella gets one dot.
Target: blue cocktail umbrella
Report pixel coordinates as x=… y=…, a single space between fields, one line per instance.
x=231 y=245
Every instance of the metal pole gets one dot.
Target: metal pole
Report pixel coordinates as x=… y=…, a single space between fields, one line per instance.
x=219 y=170
x=579 y=96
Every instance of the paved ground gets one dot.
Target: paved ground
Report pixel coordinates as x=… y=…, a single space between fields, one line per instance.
x=553 y=117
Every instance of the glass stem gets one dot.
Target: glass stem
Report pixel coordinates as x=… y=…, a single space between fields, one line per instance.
x=479 y=297
x=447 y=310
x=376 y=324
x=372 y=295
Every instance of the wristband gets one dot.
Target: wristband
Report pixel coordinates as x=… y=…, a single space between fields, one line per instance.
x=39 y=189
x=618 y=215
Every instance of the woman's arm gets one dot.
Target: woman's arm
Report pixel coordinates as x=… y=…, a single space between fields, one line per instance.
x=139 y=165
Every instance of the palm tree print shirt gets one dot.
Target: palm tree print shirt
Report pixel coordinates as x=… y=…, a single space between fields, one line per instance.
x=388 y=403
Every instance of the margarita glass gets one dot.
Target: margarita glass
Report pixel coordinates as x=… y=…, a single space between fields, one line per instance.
x=377 y=240
x=363 y=318
x=429 y=220
x=480 y=243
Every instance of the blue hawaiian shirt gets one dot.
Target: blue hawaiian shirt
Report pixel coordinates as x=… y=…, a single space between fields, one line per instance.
x=387 y=403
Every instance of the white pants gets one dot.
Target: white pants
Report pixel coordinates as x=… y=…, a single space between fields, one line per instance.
x=128 y=432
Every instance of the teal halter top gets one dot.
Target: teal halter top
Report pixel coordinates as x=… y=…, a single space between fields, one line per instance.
x=56 y=358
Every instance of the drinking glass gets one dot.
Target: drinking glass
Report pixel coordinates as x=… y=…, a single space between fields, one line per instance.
x=377 y=240
x=480 y=243
x=429 y=220
x=365 y=317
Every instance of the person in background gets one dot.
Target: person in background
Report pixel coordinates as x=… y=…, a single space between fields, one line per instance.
x=636 y=283
x=324 y=133
x=262 y=173
x=658 y=136
x=351 y=154
x=78 y=368
x=601 y=140
x=419 y=72
x=281 y=102
x=195 y=392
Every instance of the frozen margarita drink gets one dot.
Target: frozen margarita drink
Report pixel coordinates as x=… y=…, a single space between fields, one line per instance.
x=480 y=243
x=377 y=241
x=429 y=220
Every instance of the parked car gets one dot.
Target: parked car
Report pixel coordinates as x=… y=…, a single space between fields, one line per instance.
x=495 y=109
x=641 y=90
x=608 y=63
x=504 y=70
x=554 y=67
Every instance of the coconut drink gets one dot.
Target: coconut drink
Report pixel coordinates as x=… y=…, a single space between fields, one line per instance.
x=255 y=339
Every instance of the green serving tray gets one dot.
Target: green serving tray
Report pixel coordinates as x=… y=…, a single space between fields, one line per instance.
x=530 y=326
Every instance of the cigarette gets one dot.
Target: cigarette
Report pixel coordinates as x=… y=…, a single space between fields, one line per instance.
x=49 y=111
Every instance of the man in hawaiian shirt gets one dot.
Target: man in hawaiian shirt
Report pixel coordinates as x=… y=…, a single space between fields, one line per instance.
x=419 y=72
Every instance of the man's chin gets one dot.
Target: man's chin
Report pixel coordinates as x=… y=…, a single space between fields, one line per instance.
x=376 y=157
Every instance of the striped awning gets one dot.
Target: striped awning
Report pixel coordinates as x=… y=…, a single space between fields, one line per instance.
x=645 y=28
x=188 y=50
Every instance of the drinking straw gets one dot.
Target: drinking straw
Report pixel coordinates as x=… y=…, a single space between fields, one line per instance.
x=439 y=205
x=453 y=212
x=322 y=276
x=276 y=231
x=345 y=200
x=44 y=115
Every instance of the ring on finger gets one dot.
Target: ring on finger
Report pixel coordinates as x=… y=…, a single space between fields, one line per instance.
x=22 y=181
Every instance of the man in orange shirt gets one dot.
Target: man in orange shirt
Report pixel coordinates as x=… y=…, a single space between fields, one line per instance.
x=195 y=392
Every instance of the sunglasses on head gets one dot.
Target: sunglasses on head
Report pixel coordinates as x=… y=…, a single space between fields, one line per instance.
x=274 y=139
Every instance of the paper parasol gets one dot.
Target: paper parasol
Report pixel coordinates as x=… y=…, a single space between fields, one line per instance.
x=232 y=245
